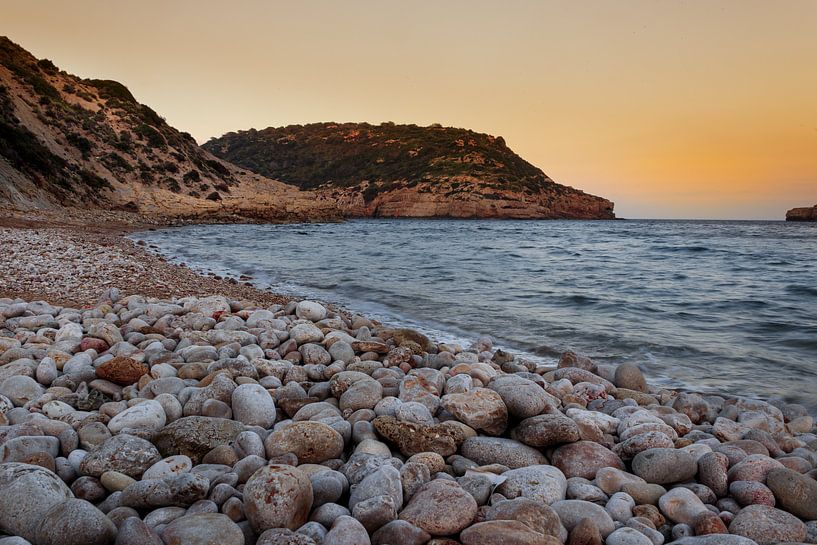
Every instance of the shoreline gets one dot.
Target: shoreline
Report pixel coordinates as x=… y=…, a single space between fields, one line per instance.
x=161 y=418
x=164 y=279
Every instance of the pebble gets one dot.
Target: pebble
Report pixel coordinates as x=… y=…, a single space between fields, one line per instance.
x=203 y=529
x=572 y=512
x=664 y=465
x=767 y=525
x=509 y=532
x=795 y=493
x=584 y=459
x=277 y=496
x=217 y=421
x=28 y=493
x=440 y=508
x=75 y=522
x=252 y=405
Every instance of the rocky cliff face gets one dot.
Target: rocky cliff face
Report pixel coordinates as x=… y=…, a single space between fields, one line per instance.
x=802 y=214
x=393 y=170
x=72 y=142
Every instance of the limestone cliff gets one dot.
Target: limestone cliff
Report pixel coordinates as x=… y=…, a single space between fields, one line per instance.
x=802 y=214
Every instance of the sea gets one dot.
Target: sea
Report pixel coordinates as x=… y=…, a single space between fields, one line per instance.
x=713 y=306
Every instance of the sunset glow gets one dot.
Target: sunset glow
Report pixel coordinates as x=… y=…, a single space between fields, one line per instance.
x=670 y=109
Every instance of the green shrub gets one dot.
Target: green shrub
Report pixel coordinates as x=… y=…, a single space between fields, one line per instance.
x=84 y=145
x=109 y=89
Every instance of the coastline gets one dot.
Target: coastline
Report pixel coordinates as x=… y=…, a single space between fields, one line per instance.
x=172 y=415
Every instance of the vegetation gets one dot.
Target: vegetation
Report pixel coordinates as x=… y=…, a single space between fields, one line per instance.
x=388 y=156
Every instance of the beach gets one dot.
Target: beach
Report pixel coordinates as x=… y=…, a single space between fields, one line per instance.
x=142 y=402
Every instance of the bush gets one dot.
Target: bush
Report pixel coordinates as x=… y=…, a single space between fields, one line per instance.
x=109 y=89
x=151 y=136
x=81 y=143
x=214 y=196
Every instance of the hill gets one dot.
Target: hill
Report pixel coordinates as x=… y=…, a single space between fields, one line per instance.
x=72 y=142
x=407 y=170
x=69 y=142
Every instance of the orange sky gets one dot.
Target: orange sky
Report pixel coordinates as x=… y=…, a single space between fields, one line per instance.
x=671 y=109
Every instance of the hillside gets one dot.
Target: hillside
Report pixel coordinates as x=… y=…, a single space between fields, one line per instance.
x=71 y=142
x=89 y=144
x=406 y=170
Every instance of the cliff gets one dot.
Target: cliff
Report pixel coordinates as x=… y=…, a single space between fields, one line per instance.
x=390 y=170
x=802 y=214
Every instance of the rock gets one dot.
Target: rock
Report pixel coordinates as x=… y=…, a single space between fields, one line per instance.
x=134 y=531
x=75 y=522
x=122 y=370
x=363 y=394
x=253 y=406
x=627 y=536
x=534 y=514
x=681 y=505
x=277 y=496
x=148 y=415
x=440 y=508
x=712 y=468
x=480 y=408
x=203 y=529
x=715 y=539
x=375 y=512
x=412 y=438
x=496 y=450
x=402 y=532
x=585 y=533
x=664 y=465
x=629 y=376
x=612 y=480
x=546 y=430
x=123 y=453
x=751 y=492
x=195 y=436
x=169 y=467
x=507 y=532
x=584 y=459
x=28 y=493
x=346 y=531
x=115 y=481
x=541 y=482
x=282 y=536
x=314 y=354
x=523 y=398
x=310 y=310
x=312 y=442
x=795 y=493
x=754 y=467
x=767 y=525
x=572 y=512
x=21 y=389
x=305 y=333
x=178 y=490
x=383 y=482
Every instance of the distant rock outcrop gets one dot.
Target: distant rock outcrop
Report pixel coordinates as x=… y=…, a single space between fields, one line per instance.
x=802 y=214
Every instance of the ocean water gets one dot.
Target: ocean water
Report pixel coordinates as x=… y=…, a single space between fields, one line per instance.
x=710 y=305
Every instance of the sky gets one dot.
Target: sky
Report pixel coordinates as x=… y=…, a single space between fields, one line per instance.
x=701 y=109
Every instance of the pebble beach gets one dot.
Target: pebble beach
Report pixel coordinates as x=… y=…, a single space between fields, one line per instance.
x=144 y=404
